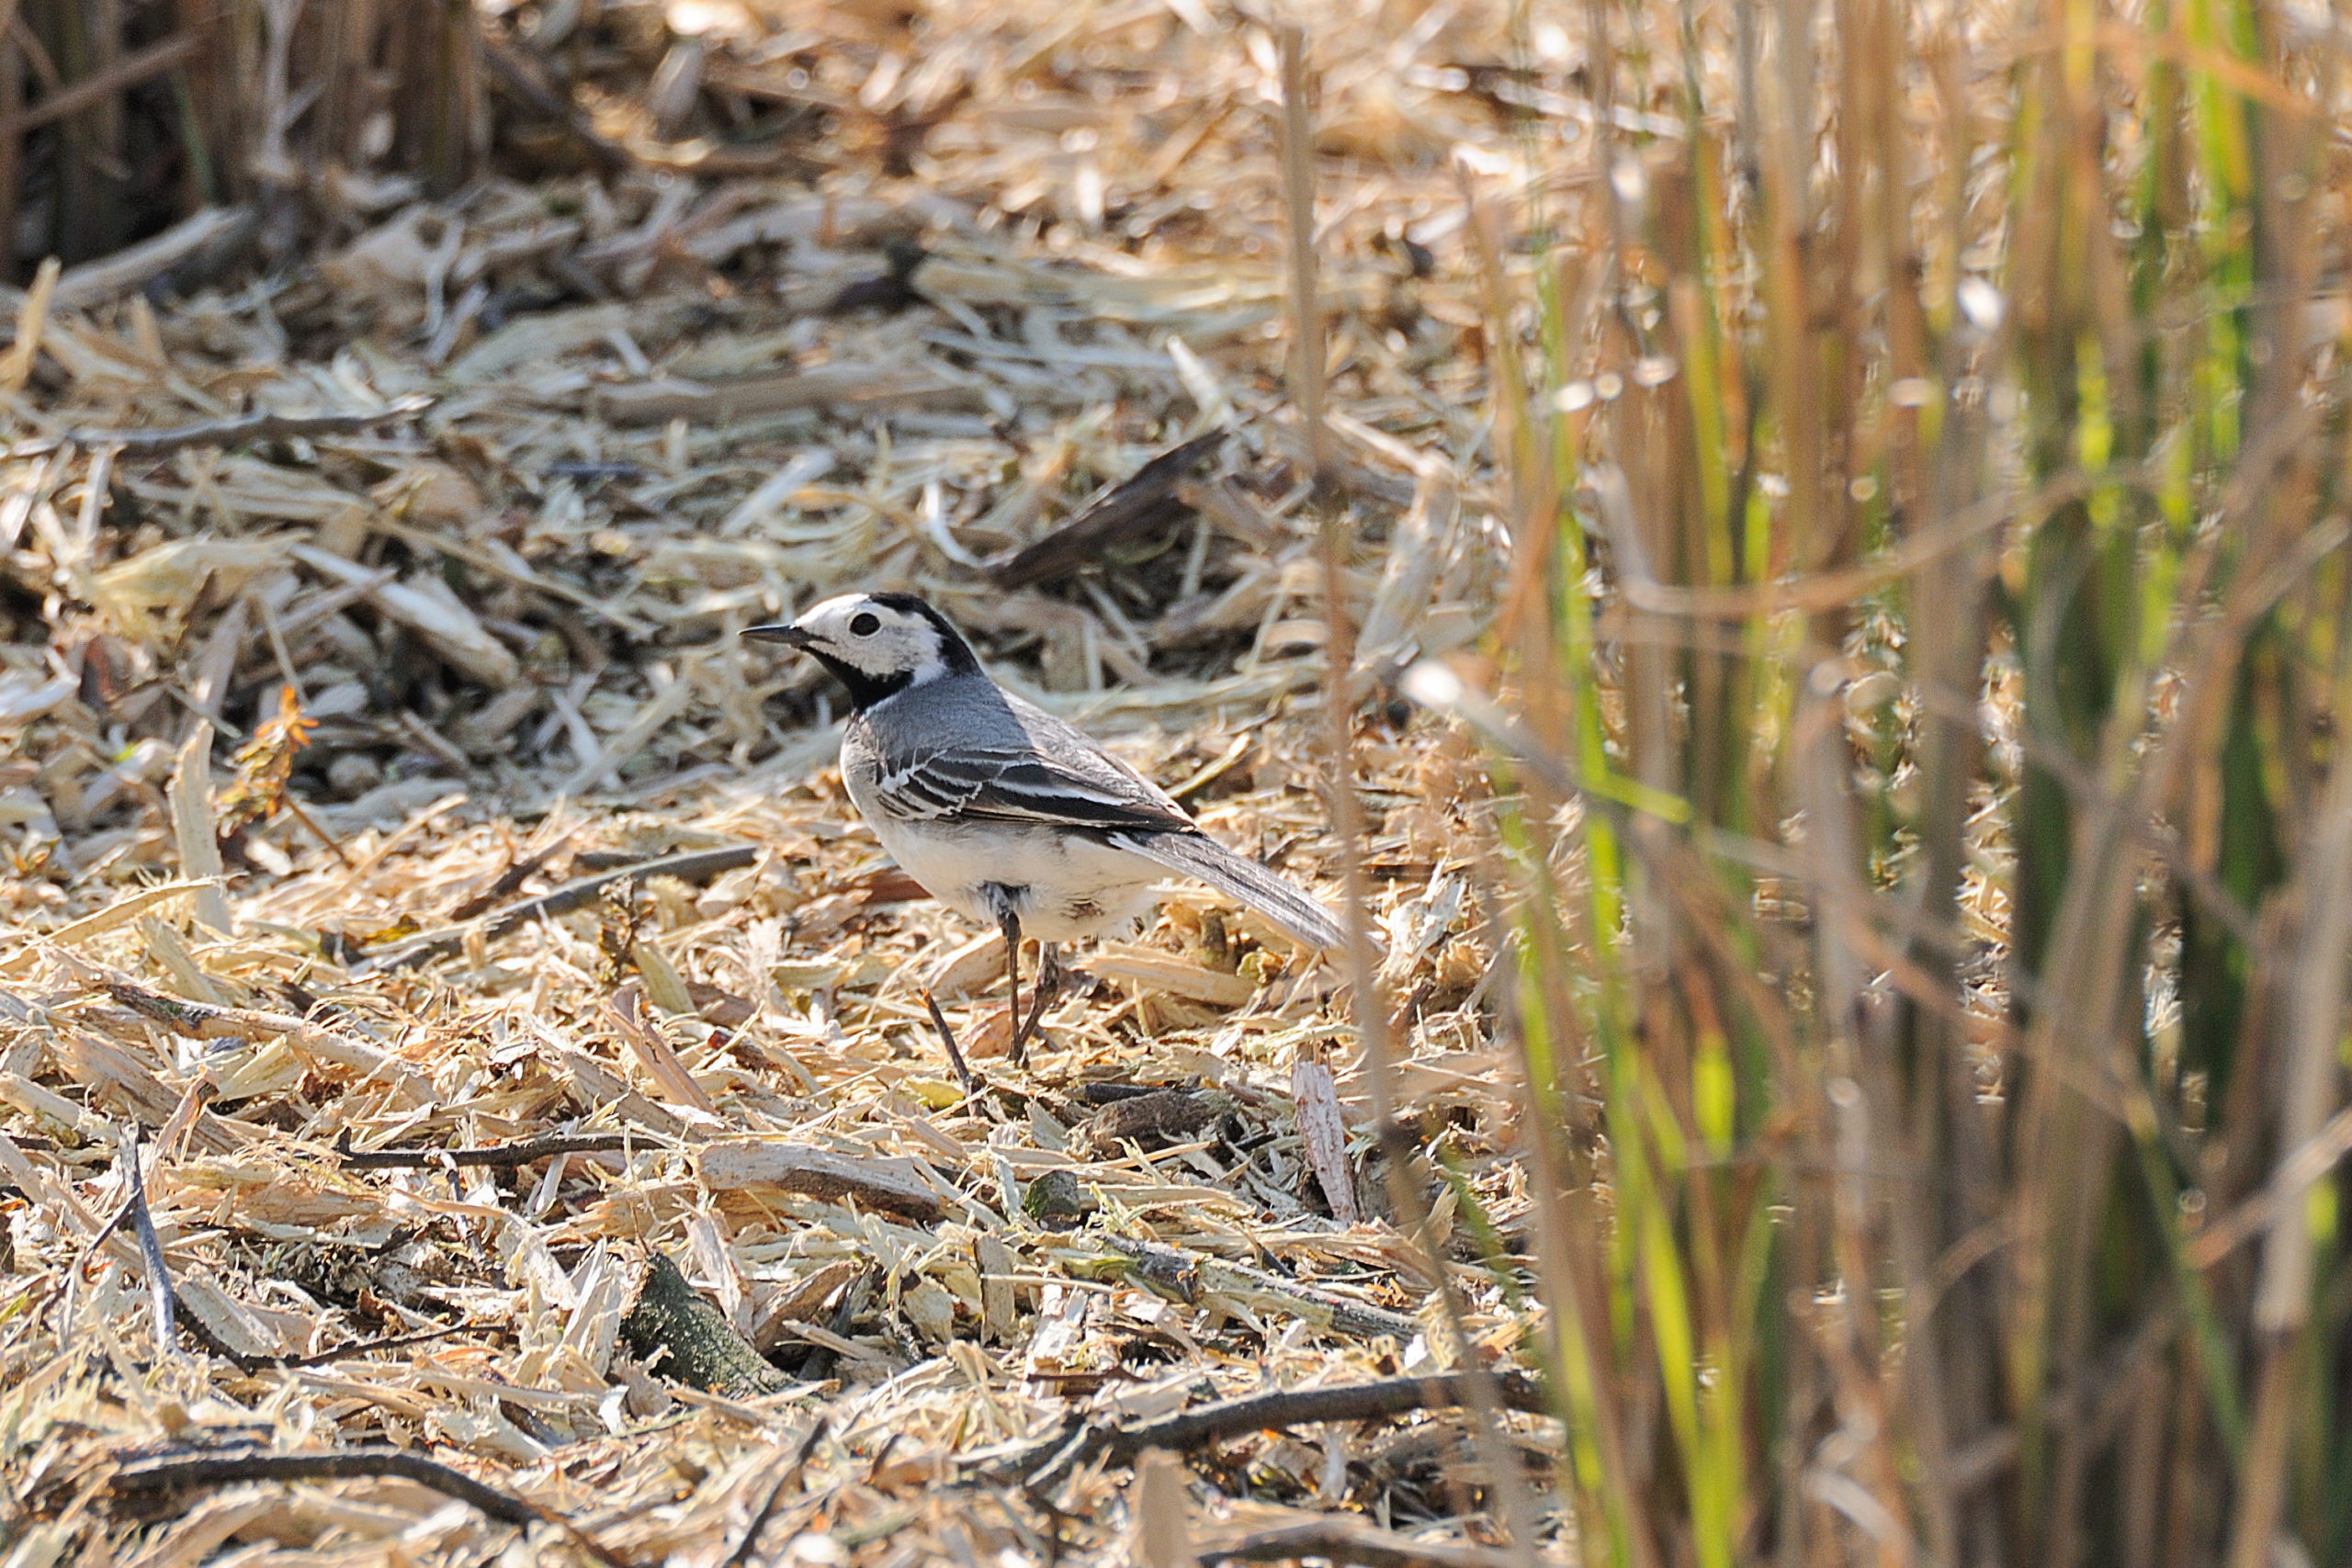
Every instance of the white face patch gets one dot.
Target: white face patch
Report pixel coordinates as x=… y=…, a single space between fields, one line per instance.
x=873 y=638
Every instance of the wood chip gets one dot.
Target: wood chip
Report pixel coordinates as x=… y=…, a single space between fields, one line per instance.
x=877 y=1183
x=1149 y=968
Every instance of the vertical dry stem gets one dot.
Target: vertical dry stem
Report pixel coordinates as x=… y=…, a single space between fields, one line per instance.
x=1400 y=1155
x=12 y=104
x=1298 y=189
x=2282 y=1296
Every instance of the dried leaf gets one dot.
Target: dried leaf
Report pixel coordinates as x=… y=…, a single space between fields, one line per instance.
x=1315 y=1100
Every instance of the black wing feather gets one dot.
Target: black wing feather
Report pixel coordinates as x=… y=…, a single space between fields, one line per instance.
x=998 y=786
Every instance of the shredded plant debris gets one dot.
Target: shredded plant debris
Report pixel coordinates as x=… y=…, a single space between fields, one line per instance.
x=538 y=1082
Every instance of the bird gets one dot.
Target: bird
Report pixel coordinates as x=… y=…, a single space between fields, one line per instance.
x=1001 y=811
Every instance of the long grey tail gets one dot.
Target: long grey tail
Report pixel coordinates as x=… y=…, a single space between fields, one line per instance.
x=1198 y=856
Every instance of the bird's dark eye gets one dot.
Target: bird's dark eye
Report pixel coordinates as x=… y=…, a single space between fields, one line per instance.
x=864 y=624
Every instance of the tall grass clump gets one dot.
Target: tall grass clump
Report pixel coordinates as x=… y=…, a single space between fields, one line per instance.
x=1919 y=701
x=117 y=119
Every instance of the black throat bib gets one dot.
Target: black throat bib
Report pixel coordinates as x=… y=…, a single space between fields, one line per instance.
x=865 y=689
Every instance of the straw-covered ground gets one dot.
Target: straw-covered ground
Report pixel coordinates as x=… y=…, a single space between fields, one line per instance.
x=547 y=446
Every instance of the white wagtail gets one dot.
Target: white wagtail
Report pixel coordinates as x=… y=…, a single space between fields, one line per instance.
x=1000 y=810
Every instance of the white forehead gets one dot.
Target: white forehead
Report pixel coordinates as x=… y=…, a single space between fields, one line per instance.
x=832 y=616
x=842 y=606
x=899 y=639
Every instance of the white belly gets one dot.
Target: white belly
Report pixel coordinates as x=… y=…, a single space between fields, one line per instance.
x=1063 y=887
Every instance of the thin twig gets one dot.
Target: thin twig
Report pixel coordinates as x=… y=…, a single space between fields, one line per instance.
x=1292 y=1407
x=947 y=1038
x=2302 y=1165
x=1190 y=1276
x=510 y=880
x=121 y=1213
x=265 y=427
x=766 y=1509
x=150 y=1248
x=351 y=1347
x=694 y=865
x=210 y=233
x=523 y=1151
x=1284 y=1407
x=73 y=1275
x=99 y=86
x=202 y=1021
x=342 y=1352
x=169 y=1471
x=294 y=809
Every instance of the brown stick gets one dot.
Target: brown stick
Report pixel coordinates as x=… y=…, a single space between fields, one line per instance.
x=694 y=865
x=1286 y=1407
x=351 y=1347
x=947 y=1038
x=147 y=1475
x=96 y=88
x=294 y=809
x=863 y=388
x=523 y=1151
x=1145 y=500
x=1189 y=1275
x=1291 y=1408
x=342 y=1352
x=509 y=880
x=202 y=1021
x=2302 y=1165
x=82 y=1261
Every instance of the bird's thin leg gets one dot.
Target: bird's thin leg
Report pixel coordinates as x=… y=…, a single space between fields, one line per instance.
x=1012 y=922
x=1049 y=981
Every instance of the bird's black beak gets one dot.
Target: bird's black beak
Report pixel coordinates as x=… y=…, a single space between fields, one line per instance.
x=782 y=631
